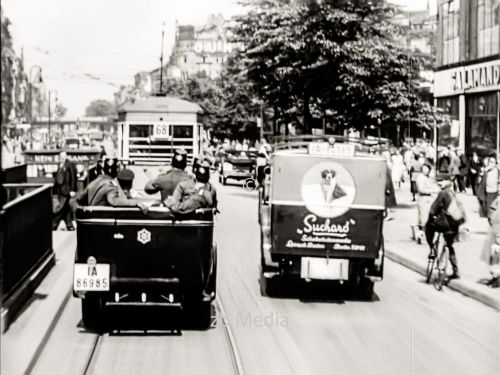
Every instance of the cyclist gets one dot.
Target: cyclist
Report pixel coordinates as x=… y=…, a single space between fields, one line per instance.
x=440 y=221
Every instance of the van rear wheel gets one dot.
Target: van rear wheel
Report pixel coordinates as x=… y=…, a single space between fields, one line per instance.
x=365 y=289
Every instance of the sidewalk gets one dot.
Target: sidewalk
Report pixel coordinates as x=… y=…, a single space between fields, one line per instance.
x=401 y=248
x=34 y=324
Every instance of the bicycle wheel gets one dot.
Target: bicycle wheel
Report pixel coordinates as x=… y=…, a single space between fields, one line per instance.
x=430 y=269
x=432 y=261
x=441 y=266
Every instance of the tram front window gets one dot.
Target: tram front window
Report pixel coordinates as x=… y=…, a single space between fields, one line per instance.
x=183 y=131
x=140 y=131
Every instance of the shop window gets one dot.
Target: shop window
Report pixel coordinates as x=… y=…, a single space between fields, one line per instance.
x=488 y=24
x=448 y=134
x=481 y=126
x=449 y=17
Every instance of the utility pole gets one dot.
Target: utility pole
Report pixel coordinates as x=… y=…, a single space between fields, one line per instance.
x=40 y=80
x=161 y=57
x=50 y=133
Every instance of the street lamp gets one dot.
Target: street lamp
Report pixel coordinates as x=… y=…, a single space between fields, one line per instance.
x=48 y=122
x=40 y=80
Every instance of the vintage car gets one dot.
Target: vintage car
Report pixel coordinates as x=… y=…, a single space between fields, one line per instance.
x=237 y=165
x=125 y=258
x=321 y=211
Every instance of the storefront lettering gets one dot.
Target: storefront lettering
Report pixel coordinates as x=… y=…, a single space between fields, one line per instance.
x=476 y=77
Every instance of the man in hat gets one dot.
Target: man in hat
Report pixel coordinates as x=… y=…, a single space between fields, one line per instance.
x=192 y=194
x=166 y=183
x=65 y=187
x=105 y=190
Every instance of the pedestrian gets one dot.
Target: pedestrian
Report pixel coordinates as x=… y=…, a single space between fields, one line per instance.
x=440 y=221
x=454 y=171
x=443 y=165
x=64 y=188
x=192 y=194
x=491 y=184
x=166 y=183
x=481 y=188
x=463 y=170
x=474 y=169
x=415 y=170
x=398 y=169
x=491 y=249
x=426 y=188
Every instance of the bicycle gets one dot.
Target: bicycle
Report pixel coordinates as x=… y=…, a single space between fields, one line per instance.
x=437 y=265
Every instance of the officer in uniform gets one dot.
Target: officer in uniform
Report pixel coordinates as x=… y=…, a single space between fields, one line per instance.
x=192 y=194
x=105 y=190
x=166 y=183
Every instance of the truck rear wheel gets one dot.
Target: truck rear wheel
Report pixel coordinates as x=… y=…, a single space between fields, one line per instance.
x=198 y=315
x=270 y=287
x=91 y=312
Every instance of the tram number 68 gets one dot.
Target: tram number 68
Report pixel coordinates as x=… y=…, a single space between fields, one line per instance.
x=160 y=131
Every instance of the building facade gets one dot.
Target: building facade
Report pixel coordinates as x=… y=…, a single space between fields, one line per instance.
x=467 y=74
x=200 y=51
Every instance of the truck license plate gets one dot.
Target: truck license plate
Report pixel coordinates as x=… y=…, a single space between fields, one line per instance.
x=91 y=277
x=324 y=269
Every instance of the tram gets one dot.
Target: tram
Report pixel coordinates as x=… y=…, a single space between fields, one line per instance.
x=152 y=128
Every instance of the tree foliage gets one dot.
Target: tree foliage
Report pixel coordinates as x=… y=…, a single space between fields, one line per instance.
x=7 y=78
x=334 y=59
x=100 y=107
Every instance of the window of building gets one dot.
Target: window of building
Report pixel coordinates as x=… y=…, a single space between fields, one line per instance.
x=447 y=133
x=488 y=27
x=450 y=13
x=185 y=59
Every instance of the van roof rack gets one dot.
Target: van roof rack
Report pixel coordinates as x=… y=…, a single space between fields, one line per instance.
x=303 y=141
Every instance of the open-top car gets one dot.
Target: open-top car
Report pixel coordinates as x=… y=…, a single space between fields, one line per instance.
x=127 y=258
x=321 y=211
x=237 y=165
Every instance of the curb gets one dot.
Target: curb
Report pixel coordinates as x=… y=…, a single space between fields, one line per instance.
x=464 y=287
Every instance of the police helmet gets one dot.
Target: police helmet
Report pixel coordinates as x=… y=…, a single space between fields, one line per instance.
x=125 y=178
x=180 y=159
x=203 y=172
x=110 y=167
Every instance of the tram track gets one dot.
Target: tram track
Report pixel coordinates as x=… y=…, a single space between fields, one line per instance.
x=235 y=354
x=97 y=344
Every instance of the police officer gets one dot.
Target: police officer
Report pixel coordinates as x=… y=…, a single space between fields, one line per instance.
x=106 y=191
x=166 y=183
x=192 y=194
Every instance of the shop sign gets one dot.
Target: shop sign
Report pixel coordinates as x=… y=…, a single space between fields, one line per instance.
x=476 y=77
x=472 y=78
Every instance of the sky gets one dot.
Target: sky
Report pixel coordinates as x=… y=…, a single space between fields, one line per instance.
x=109 y=39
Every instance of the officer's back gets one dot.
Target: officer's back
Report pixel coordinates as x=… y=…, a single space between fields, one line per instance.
x=167 y=182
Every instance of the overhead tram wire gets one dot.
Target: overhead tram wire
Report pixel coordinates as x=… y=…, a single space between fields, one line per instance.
x=81 y=73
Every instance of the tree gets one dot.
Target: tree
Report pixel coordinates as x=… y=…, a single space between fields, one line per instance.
x=7 y=77
x=100 y=107
x=60 y=110
x=335 y=58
